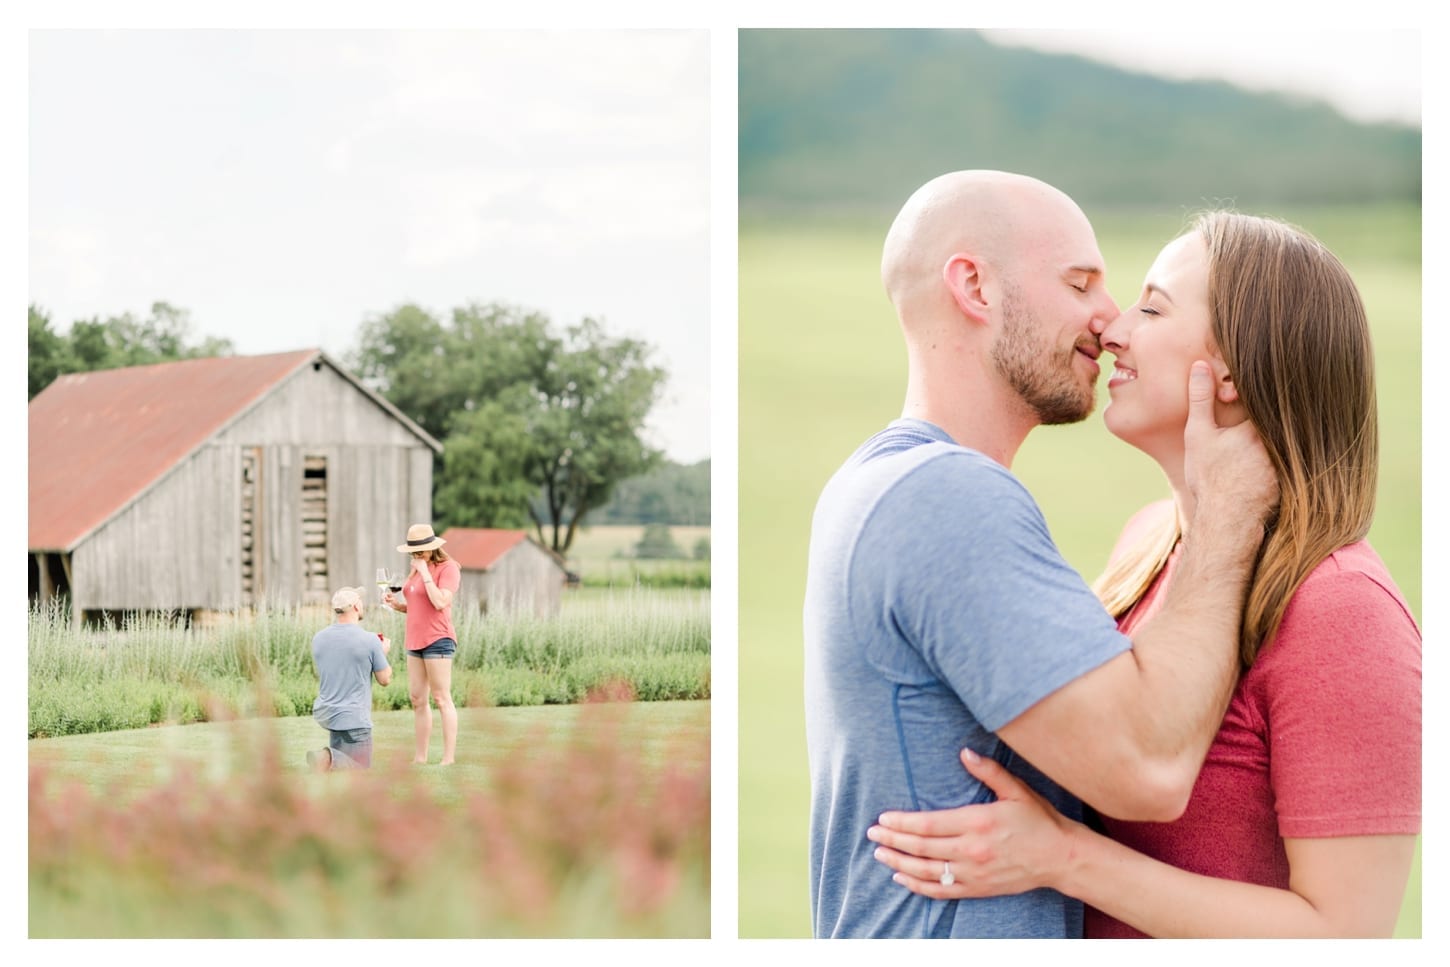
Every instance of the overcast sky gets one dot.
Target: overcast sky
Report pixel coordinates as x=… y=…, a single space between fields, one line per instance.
x=282 y=186
x=1368 y=73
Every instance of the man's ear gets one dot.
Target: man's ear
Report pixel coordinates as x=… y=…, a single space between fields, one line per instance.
x=963 y=276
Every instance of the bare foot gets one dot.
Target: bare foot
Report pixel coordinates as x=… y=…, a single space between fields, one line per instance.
x=446 y=762
x=420 y=762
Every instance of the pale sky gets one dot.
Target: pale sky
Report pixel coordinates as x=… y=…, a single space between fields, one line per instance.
x=281 y=186
x=1369 y=73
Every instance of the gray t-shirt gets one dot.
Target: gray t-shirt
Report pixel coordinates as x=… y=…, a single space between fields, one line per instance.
x=346 y=655
x=937 y=610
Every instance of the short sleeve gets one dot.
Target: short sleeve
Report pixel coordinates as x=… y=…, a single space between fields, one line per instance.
x=1341 y=686
x=450 y=576
x=380 y=659
x=981 y=591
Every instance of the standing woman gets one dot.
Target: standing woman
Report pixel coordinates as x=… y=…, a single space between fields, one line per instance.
x=429 y=639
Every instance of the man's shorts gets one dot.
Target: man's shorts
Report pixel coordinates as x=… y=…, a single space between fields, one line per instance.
x=351 y=748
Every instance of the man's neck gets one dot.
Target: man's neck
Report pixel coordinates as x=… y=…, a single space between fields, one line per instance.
x=974 y=409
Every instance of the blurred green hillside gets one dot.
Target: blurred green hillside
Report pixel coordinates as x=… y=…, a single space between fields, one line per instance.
x=857 y=119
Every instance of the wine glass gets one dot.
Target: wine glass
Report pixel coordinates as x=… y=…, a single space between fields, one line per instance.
x=384 y=579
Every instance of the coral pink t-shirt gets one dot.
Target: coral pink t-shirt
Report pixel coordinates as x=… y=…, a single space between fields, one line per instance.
x=1321 y=738
x=425 y=624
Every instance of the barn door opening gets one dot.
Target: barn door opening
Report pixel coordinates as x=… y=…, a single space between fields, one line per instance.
x=251 y=556
x=314 y=529
x=49 y=576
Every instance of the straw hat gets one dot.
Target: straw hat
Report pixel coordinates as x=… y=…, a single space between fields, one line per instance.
x=421 y=538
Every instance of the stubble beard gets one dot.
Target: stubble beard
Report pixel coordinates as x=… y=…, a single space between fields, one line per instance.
x=1045 y=378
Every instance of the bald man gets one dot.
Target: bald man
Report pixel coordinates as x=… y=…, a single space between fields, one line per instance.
x=939 y=615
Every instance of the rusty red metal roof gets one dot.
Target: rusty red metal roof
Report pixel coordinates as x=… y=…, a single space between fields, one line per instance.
x=99 y=440
x=479 y=548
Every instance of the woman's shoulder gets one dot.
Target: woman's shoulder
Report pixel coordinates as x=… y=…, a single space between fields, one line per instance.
x=1352 y=577
x=1348 y=604
x=1146 y=521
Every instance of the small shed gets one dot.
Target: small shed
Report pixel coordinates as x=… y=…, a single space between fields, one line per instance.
x=218 y=484
x=505 y=571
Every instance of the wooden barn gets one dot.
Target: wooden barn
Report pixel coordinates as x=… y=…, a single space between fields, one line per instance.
x=218 y=484
x=505 y=571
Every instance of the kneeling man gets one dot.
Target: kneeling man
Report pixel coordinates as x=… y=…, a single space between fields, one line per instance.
x=348 y=657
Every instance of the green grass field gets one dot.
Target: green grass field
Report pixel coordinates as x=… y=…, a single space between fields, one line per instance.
x=822 y=367
x=576 y=821
x=125 y=764
x=603 y=556
x=150 y=671
x=594 y=546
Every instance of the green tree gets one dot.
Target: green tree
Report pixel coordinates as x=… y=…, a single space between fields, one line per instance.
x=94 y=344
x=671 y=494
x=657 y=543
x=160 y=337
x=535 y=424
x=90 y=347
x=485 y=482
x=47 y=352
x=594 y=395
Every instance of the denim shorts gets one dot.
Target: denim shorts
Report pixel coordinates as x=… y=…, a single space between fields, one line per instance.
x=351 y=748
x=442 y=648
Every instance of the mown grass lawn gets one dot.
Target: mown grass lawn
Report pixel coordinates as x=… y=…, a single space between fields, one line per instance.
x=556 y=822
x=125 y=763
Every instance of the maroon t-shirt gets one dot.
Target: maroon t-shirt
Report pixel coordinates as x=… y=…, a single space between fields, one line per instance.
x=1322 y=735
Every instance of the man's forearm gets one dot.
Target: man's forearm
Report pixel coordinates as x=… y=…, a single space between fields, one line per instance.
x=1187 y=654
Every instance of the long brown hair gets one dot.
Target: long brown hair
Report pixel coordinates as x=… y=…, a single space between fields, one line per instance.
x=1290 y=325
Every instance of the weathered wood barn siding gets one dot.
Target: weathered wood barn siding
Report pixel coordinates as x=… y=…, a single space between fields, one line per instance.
x=523 y=577
x=379 y=480
x=203 y=537
x=526 y=578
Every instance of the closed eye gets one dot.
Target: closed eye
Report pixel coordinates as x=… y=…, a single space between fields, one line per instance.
x=1149 y=311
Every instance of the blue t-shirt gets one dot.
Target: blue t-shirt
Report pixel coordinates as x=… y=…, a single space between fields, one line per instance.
x=346 y=655
x=937 y=610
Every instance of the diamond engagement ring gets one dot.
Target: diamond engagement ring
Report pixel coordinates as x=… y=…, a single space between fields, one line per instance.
x=946 y=875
